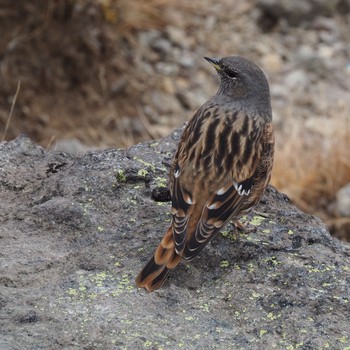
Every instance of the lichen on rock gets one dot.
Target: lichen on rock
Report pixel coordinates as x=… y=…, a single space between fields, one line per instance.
x=76 y=230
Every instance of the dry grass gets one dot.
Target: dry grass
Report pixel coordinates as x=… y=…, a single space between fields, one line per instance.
x=75 y=61
x=11 y=111
x=131 y=15
x=312 y=162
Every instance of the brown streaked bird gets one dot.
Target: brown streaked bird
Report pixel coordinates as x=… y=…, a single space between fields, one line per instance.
x=221 y=168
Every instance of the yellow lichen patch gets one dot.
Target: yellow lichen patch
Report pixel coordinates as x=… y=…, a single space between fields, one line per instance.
x=255 y=295
x=266 y=231
x=257 y=220
x=204 y=307
x=142 y=172
x=262 y=332
x=290 y=232
x=271 y=260
x=72 y=292
x=151 y=166
x=250 y=267
x=230 y=235
x=271 y=316
x=161 y=181
x=189 y=318
x=344 y=339
x=120 y=175
x=147 y=344
x=224 y=263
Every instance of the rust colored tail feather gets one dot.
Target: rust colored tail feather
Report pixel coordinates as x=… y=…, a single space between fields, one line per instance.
x=165 y=258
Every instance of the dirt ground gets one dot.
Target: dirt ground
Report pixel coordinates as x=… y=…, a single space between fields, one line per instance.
x=111 y=73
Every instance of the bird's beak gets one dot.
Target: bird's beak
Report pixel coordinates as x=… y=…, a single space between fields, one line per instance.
x=214 y=62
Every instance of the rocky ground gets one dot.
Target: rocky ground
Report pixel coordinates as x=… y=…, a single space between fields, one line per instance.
x=131 y=72
x=76 y=230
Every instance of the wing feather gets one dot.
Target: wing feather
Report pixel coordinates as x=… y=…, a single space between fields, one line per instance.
x=212 y=175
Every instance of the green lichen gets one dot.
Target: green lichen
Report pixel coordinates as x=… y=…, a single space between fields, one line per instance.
x=255 y=295
x=344 y=339
x=151 y=166
x=72 y=292
x=250 y=267
x=120 y=176
x=204 y=307
x=262 y=332
x=142 y=172
x=189 y=318
x=232 y=236
x=161 y=181
x=224 y=263
x=257 y=220
x=271 y=316
x=271 y=260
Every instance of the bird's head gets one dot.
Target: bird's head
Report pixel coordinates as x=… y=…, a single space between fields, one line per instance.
x=240 y=78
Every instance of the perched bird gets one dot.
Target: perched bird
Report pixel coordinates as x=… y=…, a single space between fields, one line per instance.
x=221 y=168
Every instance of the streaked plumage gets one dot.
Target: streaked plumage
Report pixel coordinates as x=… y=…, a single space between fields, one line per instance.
x=221 y=168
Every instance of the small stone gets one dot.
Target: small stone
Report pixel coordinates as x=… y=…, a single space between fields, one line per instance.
x=72 y=146
x=186 y=61
x=191 y=100
x=343 y=201
x=176 y=35
x=272 y=62
x=164 y=68
x=168 y=85
x=278 y=90
x=161 y=45
x=296 y=79
x=145 y=38
x=165 y=103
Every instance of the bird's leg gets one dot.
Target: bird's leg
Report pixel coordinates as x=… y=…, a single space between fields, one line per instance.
x=238 y=225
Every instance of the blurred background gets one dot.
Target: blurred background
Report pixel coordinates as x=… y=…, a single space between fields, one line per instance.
x=111 y=73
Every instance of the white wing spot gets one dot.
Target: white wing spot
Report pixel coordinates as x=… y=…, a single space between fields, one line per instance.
x=188 y=200
x=221 y=191
x=212 y=206
x=177 y=173
x=239 y=189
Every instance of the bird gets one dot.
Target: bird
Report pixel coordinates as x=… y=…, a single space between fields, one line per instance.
x=221 y=168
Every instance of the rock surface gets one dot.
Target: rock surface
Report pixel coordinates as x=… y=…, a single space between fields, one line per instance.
x=74 y=232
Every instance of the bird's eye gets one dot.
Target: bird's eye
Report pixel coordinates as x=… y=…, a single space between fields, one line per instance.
x=231 y=73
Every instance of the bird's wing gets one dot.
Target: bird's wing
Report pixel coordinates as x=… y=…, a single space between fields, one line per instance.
x=239 y=193
x=212 y=175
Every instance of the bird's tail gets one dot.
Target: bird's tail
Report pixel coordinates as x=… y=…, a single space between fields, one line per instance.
x=164 y=259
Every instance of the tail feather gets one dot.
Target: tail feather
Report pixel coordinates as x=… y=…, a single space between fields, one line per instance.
x=165 y=258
